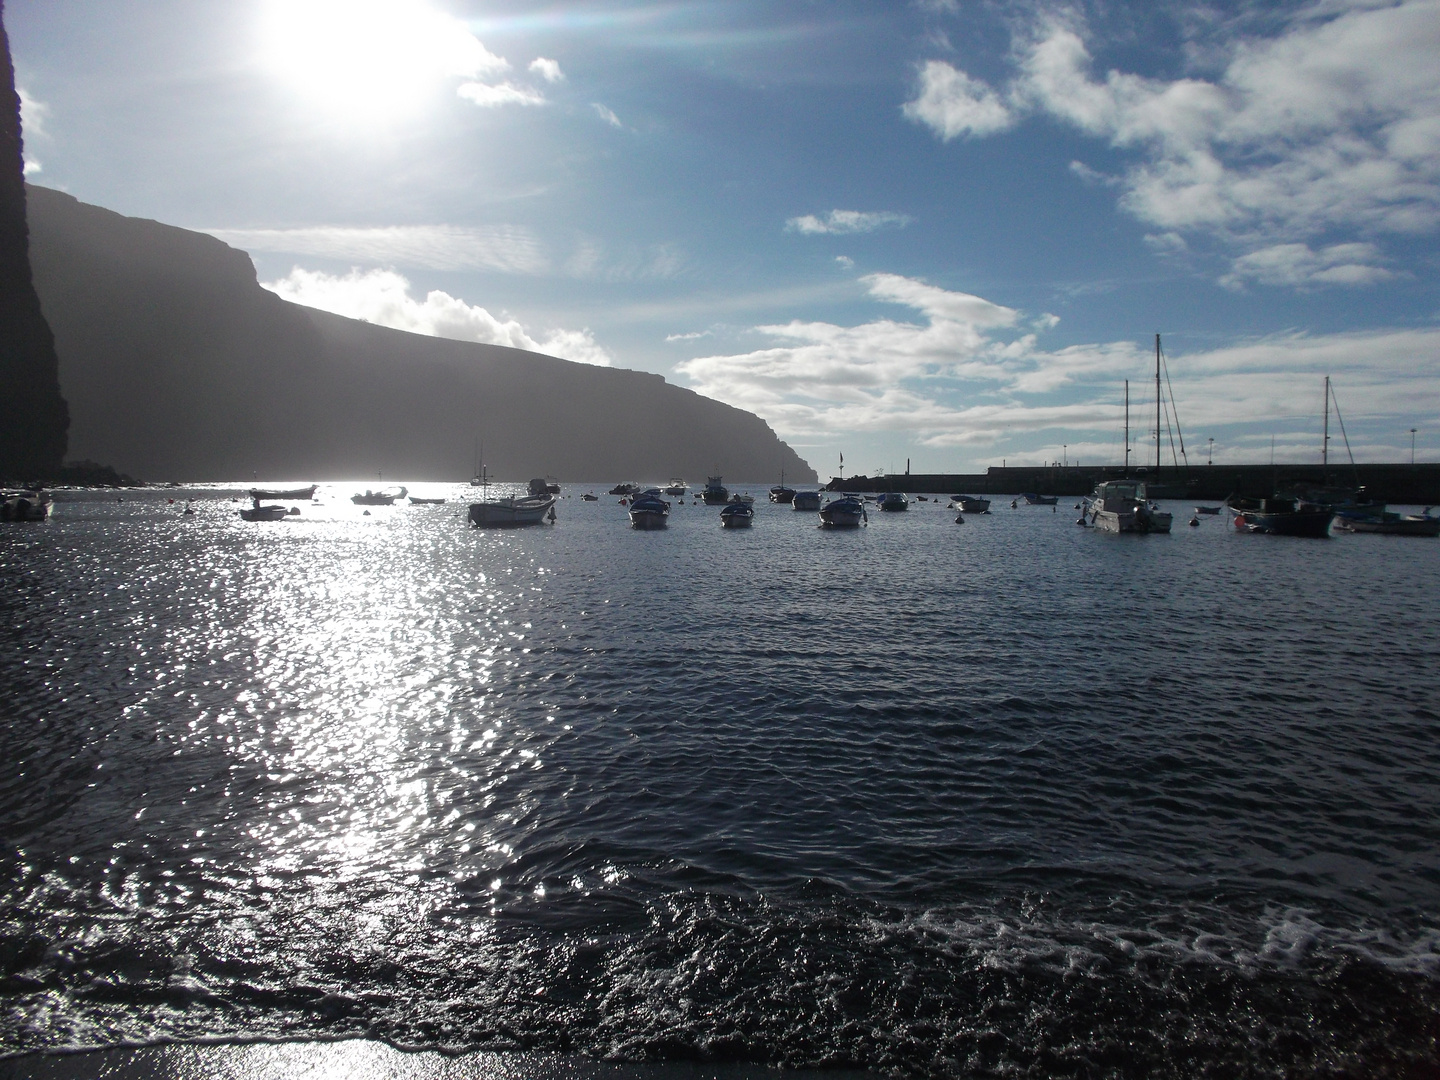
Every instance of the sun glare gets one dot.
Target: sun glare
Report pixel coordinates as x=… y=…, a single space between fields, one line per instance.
x=369 y=60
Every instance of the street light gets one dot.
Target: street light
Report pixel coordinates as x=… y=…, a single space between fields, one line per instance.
x=1065 y=451
x=1210 y=454
x=1412 y=446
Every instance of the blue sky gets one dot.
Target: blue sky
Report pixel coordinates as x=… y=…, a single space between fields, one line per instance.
x=942 y=232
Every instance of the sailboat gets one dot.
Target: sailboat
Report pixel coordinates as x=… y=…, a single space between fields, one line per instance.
x=1124 y=506
x=509 y=512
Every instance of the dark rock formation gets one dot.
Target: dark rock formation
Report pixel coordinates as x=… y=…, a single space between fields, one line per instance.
x=34 y=422
x=179 y=366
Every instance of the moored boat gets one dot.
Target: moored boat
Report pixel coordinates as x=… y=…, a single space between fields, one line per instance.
x=1281 y=516
x=737 y=515
x=971 y=504
x=649 y=511
x=624 y=489
x=512 y=512
x=263 y=513
x=1039 y=500
x=378 y=498
x=716 y=493
x=893 y=501
x=284 y=494
x=846 y=512
x=676 y=487
x=1122 y=506
x=1388 y=523
x=415 y=500
x=25 y=505
x=1208 y=509
x=806 y=500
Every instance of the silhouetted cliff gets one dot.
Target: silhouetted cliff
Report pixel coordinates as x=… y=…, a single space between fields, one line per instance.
x=179 y=366
x=32 y=429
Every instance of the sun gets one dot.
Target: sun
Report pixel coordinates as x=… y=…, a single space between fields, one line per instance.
x=369 y=60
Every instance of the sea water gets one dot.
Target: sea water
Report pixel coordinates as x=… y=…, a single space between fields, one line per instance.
x=924 y=797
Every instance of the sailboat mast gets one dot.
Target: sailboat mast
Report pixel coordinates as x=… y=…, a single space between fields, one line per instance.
x=1325 y=432
x=1157 y=407
x=1127 y=427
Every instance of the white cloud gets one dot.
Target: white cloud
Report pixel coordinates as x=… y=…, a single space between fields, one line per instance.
x=972 y=373
x=432 y=247
x=1298 y=265
x=606 y=115
x=33 y=114
x=952 y=103
x=491 y=97
x=845 y=262
x=549 y=70
x=383 y=297
x=1332 y=124
x=846 y=221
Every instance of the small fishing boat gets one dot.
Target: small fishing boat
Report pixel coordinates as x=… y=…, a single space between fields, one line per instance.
x=846 y=512
x=1122 y=506
x=893 y=501
x=589 y=496
x=716 y=493
x=970 y=504
x=676 y=487
x=415 y=500
x=1208 y=509
x=25 y=505
x=737 y=515
x=780 y=493
x=649 y=511
x=512 y=512
x=1281 y=516
x=378 y=498
x=1388 y=523
x=624 y=489
x=806 y=500
x=264 y=513
x=1039 y=500
x=304 y=494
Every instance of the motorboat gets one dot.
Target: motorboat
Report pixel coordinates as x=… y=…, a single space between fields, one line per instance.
x=378 y=498
x=1208 y=509
x=1281 y=516
x=1039 y=500
x=737 y=515
x=263 y=513
x=624 y=489
x=676 y=487
x=1389 y=523
x=589 y=496
x=716 y=493
x=846 y=512
x=782 y=494
x=649 y=511
x=25 y=505
x=893 y=501
x=544 y=486
x=1123 y=506
x=970 y=504
x=304 y=494
x=415 y=500
x=806 y=500
x=512 y=512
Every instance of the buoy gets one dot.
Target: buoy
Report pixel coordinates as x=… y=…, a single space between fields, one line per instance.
x=1194 y=521
x=959 y=519
x=366 y=514
x=1080 y=521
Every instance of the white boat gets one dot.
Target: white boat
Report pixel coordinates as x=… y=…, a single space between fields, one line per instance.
x=511 y=512
x=676 y=487
x=970 y=504
x=846 y=512
x=1121 y=506
x=25 y=505
x=737 y=515
x=649 y=511
x=806 y=500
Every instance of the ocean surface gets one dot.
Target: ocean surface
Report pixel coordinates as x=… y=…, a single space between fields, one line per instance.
x=1001 y=798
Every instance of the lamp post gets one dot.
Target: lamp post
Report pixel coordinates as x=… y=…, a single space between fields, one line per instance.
x=1412 y=446
x=1210 y=454
x=1065 y=451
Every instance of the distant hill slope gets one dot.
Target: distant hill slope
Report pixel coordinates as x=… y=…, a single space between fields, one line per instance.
x=177 y=365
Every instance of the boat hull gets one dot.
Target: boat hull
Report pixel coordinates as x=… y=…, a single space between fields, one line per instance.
x=284 y=495
x=1411 y=525
x=649 y=519
x=1131 y=521
x=24 y=506
x=512 y=513
x=843 y=514
x=967 y=505
x=1311 y=523
x=806 y=500
x=264 y=513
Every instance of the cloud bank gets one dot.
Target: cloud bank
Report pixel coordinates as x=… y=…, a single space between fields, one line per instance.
x=432 y=247
x=968 y=372
x=383 y=297
x=846 y=221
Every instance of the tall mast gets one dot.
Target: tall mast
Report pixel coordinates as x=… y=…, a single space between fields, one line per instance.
x=1157 y=407
x=1325 y=436
x=1127 y=427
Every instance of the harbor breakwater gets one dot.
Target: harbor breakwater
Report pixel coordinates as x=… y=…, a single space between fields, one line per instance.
x=1404 y=484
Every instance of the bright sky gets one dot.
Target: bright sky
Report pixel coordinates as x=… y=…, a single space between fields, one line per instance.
x=942 y=231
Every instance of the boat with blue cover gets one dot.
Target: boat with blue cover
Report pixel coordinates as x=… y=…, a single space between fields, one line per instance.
x=649 y=511
x=846 y=512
